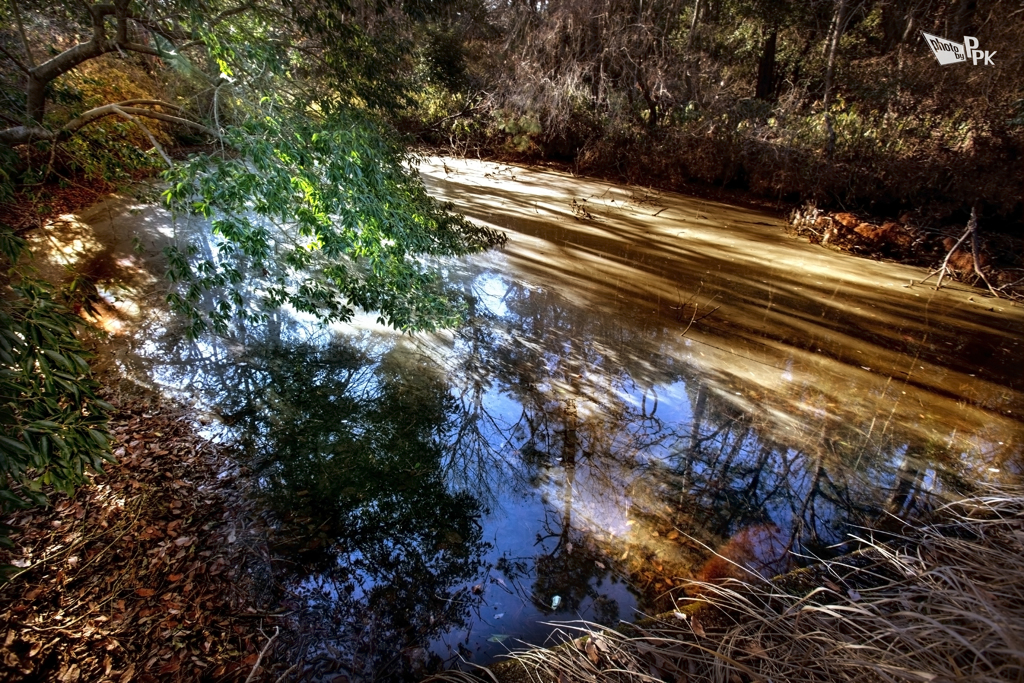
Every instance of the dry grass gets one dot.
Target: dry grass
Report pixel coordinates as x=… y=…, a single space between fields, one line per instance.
x=944 y=602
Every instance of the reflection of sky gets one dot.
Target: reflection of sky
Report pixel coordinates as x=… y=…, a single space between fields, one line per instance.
x=634 y=427
x=491 y=289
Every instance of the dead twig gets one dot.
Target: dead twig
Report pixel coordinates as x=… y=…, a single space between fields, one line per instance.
x=944 y=268
x=975 y=253
x=259 y=659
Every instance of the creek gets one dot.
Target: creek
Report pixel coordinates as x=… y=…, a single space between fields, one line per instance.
x=649 y=388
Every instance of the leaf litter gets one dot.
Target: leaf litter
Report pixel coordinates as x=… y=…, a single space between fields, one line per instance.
x=142 y=575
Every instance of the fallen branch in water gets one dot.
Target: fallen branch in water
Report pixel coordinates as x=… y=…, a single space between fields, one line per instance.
x=944 y=269
x=259 y=659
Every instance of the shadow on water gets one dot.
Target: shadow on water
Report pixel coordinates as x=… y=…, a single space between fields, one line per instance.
x=668 y=390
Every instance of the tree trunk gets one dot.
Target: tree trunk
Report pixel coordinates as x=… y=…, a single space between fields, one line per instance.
x=35 y=104
x=895 y=17
x=963 y=20
x=653 y=113
x=842 y=7
x=766 y=68
x=693 y=23
x=98 y=44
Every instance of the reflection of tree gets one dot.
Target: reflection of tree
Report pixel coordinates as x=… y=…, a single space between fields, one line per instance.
x=571 y=569
x=351 y=450
x=716 y=475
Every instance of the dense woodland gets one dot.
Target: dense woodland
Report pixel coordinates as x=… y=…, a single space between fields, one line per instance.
x=836 y=101
x=839 y=102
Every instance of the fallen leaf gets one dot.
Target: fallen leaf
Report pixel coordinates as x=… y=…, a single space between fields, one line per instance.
x=591 y=649
x=698 y=628
x=145 y=592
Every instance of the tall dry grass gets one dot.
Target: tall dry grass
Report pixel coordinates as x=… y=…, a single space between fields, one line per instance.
x=942 y=602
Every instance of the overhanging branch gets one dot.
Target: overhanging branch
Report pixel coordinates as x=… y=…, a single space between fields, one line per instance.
x=23 y=135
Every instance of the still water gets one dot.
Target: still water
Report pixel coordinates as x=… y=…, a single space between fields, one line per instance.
x=646 y=384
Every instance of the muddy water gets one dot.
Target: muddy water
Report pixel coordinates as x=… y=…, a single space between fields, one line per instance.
x=644 y=380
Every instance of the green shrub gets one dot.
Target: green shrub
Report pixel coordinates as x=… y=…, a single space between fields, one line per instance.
x=52 y=425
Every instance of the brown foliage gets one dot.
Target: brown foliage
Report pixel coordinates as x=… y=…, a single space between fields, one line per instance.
x=140 y=576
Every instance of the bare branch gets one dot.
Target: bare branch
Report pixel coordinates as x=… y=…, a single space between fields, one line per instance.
x=138 y=47
x=976 y=254
x=145 y=129
x=152 y=103
x=944 y=268
x=16 y=61
x=259 y=659
x=23 y=135
x=21 y=31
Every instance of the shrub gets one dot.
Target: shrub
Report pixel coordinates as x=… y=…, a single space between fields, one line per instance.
x=52 y=425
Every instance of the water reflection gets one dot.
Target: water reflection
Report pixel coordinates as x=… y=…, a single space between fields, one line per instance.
x=594 y=435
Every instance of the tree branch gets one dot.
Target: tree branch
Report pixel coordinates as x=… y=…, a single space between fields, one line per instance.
x=138 y=47
x=23 y=135
x=259 y=659
x=39 y=76
x=145 y=129
x=16 y=61
x=975 y=252
x=152 y=24
x=21 y=31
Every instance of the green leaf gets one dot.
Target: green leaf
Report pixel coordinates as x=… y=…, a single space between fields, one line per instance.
x=15 y=445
